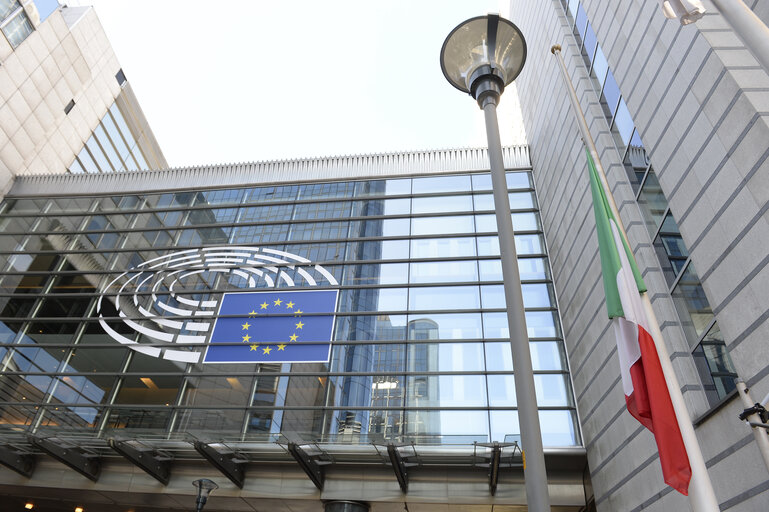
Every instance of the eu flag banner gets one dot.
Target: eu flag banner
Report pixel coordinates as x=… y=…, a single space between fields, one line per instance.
x=290 y=326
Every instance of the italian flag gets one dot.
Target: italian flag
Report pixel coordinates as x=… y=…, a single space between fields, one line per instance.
x=646 y=392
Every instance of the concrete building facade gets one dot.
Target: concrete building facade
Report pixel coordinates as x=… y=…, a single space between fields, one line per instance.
x=679 y=115
x=62 y=90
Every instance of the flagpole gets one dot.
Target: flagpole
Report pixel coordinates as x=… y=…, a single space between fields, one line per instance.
x=748 y=27
x=702 y=498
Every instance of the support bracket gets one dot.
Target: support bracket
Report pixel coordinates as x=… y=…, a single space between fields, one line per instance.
x=19 y=461
x=496 y=455
x=399 y=467
x=86 y=463
x=230 y=464
x=308 y=465
x=154 y=463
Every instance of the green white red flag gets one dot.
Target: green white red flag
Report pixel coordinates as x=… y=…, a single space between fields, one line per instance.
x=646 y=391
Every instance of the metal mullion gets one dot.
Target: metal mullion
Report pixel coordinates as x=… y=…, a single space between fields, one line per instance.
x=118 y=383
x=643 y=180
x=680 y=275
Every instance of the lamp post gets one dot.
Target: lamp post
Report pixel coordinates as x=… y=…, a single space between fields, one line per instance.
x=205 y=486
x=480 y=57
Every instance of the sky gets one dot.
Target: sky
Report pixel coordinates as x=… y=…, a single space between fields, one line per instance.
x=241 y=81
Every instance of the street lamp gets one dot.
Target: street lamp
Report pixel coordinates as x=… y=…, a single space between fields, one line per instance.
x=480 y=57
x=205 y=486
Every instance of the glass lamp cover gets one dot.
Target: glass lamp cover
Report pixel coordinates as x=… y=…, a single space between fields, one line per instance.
x=467 y=47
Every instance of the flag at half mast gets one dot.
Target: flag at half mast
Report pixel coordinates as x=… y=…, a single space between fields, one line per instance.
x=646 y=392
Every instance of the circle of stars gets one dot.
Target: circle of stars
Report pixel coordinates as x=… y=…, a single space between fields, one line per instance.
x=254 y=347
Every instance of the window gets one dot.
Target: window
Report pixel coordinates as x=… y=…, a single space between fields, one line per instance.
x=15 y=24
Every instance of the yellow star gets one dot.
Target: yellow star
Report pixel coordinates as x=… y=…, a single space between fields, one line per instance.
x=293 y=337
x=299 y=325
x=254 y=347
x=264 y=305
x=298 y=312
x=266 y=350
x=246 y=326
x=252 y=313
x=289 y=305
x=281 y=346
x=277 y=302
x=246 y=338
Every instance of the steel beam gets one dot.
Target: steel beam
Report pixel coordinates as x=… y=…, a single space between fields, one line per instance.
x=308 y=465
x=496 y=455
x=21 y=462
x=227 y=463
x=86 y=463
x=399 y=467
x=155 y=464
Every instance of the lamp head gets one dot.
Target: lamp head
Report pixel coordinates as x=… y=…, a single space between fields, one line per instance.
x=482 y=55
x=205 y=486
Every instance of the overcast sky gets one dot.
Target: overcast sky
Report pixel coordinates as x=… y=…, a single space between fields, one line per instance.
x=235 y=81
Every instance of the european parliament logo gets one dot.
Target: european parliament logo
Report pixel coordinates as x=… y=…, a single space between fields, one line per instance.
x=273 y=327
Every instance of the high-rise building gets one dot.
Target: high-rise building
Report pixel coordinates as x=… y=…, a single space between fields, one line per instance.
x=65 y=103
x=112 y=287
x=679 y=116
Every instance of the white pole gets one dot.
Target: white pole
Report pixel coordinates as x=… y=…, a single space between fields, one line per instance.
x=748 y=27
x=702 y=498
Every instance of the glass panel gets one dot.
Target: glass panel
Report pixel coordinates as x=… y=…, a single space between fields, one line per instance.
x=443 y=272
x=714 y=365
x=7 y=7
x=373 y=299
x=636 y=161
x=623 y=123
x=87 y=162
x=76 y=168
x=652 y=202
x=547 y=355
x=580 y=23
x=447 y=427
x=114 y=134
x=374 y=250
x=670 y=248
x=501 y=390
x=540 y=324
x=18 y=29
x=558 y=428
x=387 y=273
x=518 y=179
x=481 y=181
x=118 y=117
x=600 y=66
x=150 y=390
x=435 y=184
x=486 y=223
x=106 y=145
x=525 y=221
x=552 y=390
x=442 y=204
x=370 y=327
x=444 y=326
x=692 y=305
x=98 y=155
x=504 y=426
x=446 y=391
x=139 y=157
x=443 y=247
x=610 y=95
x=588 y=49
x=442 y=225
x=444 y=297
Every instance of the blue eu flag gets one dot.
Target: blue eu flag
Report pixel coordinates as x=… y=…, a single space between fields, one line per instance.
x=274 y=327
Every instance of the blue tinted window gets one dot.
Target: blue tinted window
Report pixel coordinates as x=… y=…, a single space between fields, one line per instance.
x=610 y=95
x=600 y=66
x=581 y=21
x=590 y=42
x=623 y=122
x=573 y=4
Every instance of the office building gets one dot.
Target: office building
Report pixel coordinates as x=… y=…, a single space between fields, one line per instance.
x=65 y=103
x=112 y=285
x=679 y=116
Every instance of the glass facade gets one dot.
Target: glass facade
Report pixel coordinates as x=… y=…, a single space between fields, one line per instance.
x=110 y=148
x=419 y=346
x=708 y=348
